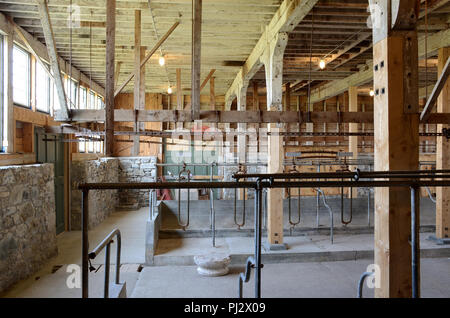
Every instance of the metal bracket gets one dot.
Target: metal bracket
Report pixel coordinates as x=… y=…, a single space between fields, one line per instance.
x=446 y=133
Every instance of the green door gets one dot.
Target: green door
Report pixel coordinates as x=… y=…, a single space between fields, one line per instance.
x=50 y=149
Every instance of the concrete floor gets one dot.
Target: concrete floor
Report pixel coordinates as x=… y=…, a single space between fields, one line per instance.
x=301 y=271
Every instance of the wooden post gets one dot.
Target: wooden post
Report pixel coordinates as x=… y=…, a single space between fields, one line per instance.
x=212 y=94
x=196 y=57
x=110 y=83
x=117 y=73
x=274 y=80
x=353 y=140
x=443 y=155
x=137 y=78
x=255 y=96
x=11 y=127
x=396 y=143
x=179 y=96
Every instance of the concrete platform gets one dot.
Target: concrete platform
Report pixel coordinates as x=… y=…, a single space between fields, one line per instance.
x=300 y=249
x=293 y=280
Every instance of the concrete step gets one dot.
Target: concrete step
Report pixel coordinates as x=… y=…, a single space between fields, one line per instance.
x=181 y=252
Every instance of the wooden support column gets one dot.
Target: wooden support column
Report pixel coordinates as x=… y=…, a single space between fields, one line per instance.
x=242 y=128
x=255 y=96
x=44 y=15
x=11 y=127
x=179 y=96
x=137 y=78
x=396 y=140
x=353 y=140
x=196 y=57
x=443 y=155
x=117 y=73
x=110 y=82
x=212 y=94
x=273 y=61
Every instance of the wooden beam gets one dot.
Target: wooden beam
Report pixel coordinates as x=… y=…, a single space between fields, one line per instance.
x=365 y=75
x=51 y=47
x=255 y=96
x=149 y=55
x=353 y=127
x=117 y=73
x=19 y=32
x=440 y=84
x=137 y=78
x=196 y=57
x=11 y=127
x=443 y=154
x=212 y=94
x=206 y=80
x=288 y=16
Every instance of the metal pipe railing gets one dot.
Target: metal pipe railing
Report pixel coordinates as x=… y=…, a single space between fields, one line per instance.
x=361 y=282
x=107 y=241
x=259 y=185
x=319 y=191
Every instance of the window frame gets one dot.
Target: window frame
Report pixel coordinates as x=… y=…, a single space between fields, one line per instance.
x=49 y=88
x=20 y=48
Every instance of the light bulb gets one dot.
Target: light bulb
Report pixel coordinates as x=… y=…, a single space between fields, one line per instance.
x=372 y=93
x=162 y=61
x=169 y=90
x=322 y=64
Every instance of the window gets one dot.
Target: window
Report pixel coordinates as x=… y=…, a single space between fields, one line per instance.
x=21 y=76
x=43 y=89
x=100 y=102
x=83 y=97
x=82 y=146
x=72 y=92
x=91 y=100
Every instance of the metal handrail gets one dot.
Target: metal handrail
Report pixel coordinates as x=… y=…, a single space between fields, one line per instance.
x=362 y=279
x=107 y=243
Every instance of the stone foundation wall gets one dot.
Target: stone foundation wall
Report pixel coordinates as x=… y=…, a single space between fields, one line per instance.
x=136 y=169
x=101 y=203
x=27 y=221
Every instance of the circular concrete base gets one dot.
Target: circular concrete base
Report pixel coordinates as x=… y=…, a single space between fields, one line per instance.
x=212 y=265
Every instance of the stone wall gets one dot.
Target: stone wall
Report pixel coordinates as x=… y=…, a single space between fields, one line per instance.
x=101 y=203
x=27 y=221
x=136 y=169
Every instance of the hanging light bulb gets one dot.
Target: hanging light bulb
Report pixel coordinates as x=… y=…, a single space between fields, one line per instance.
x=372 y=93
x=322 y=64
x=162 y=60
x=169 y=90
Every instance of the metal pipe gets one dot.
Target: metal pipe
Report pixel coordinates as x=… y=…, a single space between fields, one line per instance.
x=245 y=277
x=361 y=283
x=362 y=174
x=415 y=242
x=84 y=244
x=106 y=242
x=430 y=195
x=330 y=211
x=107 y=263
x=213 y=211
x=265 y=184
x=258 y=213
x=368 y=207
